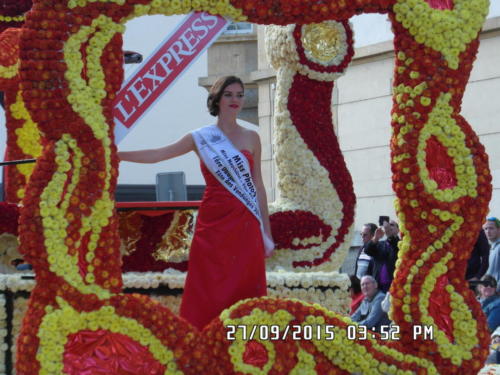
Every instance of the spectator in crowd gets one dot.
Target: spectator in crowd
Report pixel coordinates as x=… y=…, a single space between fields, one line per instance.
x=490 y=301
x=355 y=292
x=370 y=313
x=494 y=357
x=363 y=260
x=492 y=230
x=383 y=258
x=478 y=261
x=391 y=229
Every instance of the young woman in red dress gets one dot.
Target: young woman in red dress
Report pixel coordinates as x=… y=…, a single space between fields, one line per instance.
x=226 y=260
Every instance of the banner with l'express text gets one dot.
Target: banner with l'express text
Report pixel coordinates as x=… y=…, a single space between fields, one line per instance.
x=167 y=63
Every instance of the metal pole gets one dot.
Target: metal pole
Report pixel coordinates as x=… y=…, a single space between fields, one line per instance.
x=11 y=162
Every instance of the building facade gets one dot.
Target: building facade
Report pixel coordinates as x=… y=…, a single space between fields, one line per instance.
x=362 y=102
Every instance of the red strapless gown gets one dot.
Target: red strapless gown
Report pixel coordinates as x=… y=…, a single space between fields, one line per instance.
x=226 y=260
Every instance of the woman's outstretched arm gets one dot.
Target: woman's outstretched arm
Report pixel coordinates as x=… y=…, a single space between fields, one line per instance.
x=181 y=147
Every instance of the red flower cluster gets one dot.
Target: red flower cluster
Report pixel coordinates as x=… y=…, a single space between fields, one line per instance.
x=13 y=8
x=284 y=12
x=146 y=233
x=9 y=215
x=288 y=225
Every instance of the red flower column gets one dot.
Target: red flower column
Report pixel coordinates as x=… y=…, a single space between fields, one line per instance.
x=312 y=221
x=442 y=182
x=71 y=68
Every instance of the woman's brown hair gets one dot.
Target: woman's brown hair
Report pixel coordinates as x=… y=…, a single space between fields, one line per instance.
x=216 y=91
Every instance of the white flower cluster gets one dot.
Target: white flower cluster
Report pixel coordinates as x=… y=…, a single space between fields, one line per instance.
x=9 y=251
x=16 y=283
x=20 y=308
x=3 y=333
x=338 y=45
x=173 y=303
x=329 y=289
x=151 y=280
x=286 y=278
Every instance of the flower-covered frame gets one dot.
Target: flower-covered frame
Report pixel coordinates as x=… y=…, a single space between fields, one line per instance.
x=70 y=71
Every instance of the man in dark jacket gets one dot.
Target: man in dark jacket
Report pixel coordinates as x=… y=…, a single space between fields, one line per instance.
x=478 y=261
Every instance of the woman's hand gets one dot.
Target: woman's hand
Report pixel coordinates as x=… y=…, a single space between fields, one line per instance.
x=269 y=245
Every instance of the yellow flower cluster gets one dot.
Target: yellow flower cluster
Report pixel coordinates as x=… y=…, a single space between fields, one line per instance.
x=86 y=101
x=306 y=364
x=281 y=51
x=81 y=3
x=446 y=31
x=28 y=137
x=59 y=323
x=12 y=18
x=413 y=93
x=84 y=98
x=171 y=7
x=9 y=71
x=324 y=43
x=442 y=125
x=54 y=203
x=329 y=289
x=257 y=318
x=404 y=244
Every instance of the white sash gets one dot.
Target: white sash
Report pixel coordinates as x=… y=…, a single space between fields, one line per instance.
x=231 y=169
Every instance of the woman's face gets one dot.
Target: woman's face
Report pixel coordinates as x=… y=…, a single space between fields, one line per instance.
x=231 y=101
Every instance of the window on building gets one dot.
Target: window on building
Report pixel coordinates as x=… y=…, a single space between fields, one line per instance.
x=239 y=28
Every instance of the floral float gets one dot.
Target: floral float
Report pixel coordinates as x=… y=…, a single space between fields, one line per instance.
x=70 y=71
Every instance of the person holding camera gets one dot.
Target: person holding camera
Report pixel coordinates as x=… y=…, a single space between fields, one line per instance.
x=383 y=254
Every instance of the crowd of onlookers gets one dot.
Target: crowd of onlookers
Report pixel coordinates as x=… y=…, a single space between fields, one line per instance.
x=374 y=270
x=373 y=273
